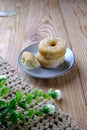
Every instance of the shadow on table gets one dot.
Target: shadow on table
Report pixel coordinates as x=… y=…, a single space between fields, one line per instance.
x=55 y=82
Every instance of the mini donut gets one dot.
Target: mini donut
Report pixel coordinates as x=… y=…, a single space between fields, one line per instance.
x=52 y=48
x=49 y=63
x=29 y=60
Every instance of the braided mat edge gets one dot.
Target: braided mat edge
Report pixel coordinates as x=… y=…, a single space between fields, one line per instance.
x=58 y=121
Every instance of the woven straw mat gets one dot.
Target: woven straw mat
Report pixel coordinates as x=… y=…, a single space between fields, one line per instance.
x=58 y=121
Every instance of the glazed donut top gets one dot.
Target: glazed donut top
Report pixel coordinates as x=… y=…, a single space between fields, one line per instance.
x=52 y=48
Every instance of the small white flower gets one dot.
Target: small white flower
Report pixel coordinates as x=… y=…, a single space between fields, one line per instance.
x=59 y=94
x=51 y=108
x=3 y=77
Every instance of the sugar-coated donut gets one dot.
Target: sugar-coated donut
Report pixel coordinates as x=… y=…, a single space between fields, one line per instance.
x=29 y=60
x=52 y=48
x=49 y=63
x=51 y=52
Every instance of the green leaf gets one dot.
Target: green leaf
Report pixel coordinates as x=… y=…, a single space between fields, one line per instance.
x=35 y=93
x=47 y=96
x=38 y=99
x=14 y=116
x=29 y=98
x=22 y=117
x=52 y=93
x=2 y=83
x=39 y=113
x=31 y=113
x=23 y=105
x=19 y=96
x=2 y=103
x=38 y=92
x=4 y=90
x=45 y=109
x=3 y=80
x=3 y=114
x=12 y=104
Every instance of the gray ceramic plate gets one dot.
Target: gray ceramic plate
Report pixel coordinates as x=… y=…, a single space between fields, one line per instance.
x=45 y=73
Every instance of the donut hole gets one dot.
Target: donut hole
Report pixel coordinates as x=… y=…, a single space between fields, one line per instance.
x=52 y=43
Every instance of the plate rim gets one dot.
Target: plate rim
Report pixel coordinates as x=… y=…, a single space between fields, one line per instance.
x=44 y=77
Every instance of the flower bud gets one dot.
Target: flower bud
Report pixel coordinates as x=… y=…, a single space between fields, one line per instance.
x=3 y=77
x=49 y=109
x=59 y=94
x=55 y=94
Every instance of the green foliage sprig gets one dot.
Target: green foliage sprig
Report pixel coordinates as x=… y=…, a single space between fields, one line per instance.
x=9 y=111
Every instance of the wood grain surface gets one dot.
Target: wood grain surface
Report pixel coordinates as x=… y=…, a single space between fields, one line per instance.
x=37 y=19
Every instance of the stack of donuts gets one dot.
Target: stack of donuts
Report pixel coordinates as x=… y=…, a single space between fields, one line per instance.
x=51 y=52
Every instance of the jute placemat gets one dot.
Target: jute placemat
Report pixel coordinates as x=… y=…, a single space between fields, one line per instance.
x=58 y=121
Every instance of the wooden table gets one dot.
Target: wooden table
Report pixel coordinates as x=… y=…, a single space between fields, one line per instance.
x=37 y=19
